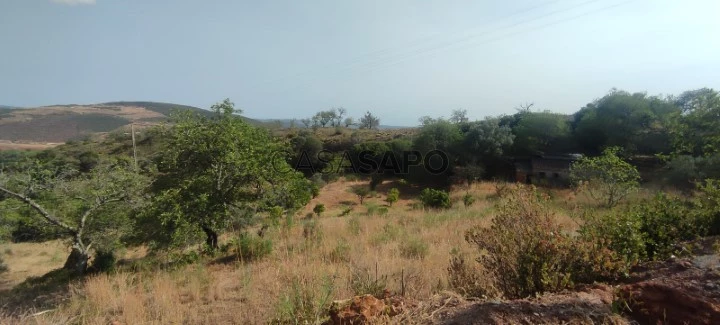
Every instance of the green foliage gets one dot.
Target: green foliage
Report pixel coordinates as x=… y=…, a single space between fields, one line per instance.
x=468 y=199
x=392 y=196
x=636 y=122
x=249 y=248
x=606 y=178
x=346 y=211
x=432 y=198
x=361 y=191
x=362 y=282
x=485 y=141
x=413 y=247
x=697 y=130
x=315 y=190
x=305 y=303
x=319 y=209
x=312 y=232
x=389 y=233
x=525 y=251
x=369 y=121
x=91 y=209
x=104 y=261
x=340 y=253
x=540 y=132
x=213 y=167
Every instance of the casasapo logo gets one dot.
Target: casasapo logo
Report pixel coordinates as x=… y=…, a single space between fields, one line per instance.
x=364 y=162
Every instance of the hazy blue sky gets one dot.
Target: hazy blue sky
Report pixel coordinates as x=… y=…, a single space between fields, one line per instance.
x=398 y=59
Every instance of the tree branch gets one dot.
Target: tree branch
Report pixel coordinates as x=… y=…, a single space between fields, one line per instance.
x=49 y=217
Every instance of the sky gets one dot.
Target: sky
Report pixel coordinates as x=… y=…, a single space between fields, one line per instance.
x=398 y=59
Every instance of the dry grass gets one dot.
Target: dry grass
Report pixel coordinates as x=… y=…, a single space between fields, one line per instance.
x=252 y=292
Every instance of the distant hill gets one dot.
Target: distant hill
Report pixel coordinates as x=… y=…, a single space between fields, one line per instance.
x=60 y=123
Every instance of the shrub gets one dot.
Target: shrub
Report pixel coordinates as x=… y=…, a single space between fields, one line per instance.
x=250 y=248
x=526 y=252
x=388 y=233
x=319 y=209
x=372 y=209
x=413 y=248
x=315 y=190
x=312 y=231
x=392 y=196
x=346 y=211
x=606 y=178
x=435 y=198
x=304 y=303
x=667 y=221
x=468 y=199
x=104 y=261
x=275 y=214
x=467 y=280
x=364 y=283
x=340 y=253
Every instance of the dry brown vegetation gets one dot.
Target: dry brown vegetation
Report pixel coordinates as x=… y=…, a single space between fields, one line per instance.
x=402 y=247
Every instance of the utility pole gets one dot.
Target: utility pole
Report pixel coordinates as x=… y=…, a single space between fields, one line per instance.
x=132 y=130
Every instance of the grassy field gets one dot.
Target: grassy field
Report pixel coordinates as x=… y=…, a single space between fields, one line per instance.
x=350 y=247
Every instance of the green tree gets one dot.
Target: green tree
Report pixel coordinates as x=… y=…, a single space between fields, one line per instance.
x=636 y=122
x=90 y=209
x=696 y=131
x=217 y=168
x=459 y=116
x=393 y=196
x=486 y=141
x=607 y=178
x=362 y=192
x=369 y=121
x=541 y=132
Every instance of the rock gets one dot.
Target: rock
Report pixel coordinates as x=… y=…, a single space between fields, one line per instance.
x=362 y=309
x=358 y=310
x=660 y=303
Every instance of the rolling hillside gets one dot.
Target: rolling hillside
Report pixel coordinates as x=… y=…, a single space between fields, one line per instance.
x=59 y=123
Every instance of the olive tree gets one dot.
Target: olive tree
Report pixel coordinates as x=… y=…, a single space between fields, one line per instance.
x=607 y=178
x=217 y=169
x=90 y=209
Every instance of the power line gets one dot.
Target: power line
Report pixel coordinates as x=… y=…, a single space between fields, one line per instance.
x=419 y=41
x=436 y=49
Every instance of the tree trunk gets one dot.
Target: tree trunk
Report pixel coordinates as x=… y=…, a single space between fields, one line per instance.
x=212 y=238
x=78 y=260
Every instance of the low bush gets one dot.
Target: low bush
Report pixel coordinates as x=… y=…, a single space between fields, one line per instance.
x=525 y=251
x=304 y=303
x=319 y=209
x=312 y=232
x=414 y=248
x=467 y=279
x=362 y=282
x=249 y=247
x=432 y=198
x=340 y=253
x=468 y=200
